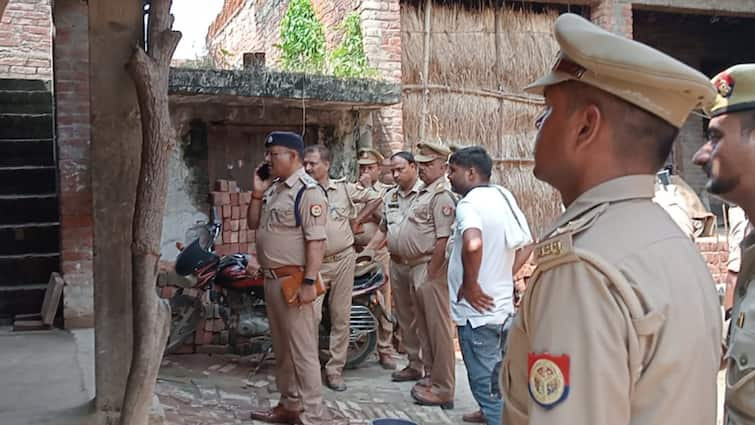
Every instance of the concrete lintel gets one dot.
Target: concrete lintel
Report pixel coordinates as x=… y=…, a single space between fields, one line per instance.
x=287 y=88
x=722 y=7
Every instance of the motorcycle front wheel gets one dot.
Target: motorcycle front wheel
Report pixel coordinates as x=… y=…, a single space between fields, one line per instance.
x=360 y=349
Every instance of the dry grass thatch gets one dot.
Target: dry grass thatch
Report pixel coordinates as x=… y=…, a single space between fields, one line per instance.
x=477 y=72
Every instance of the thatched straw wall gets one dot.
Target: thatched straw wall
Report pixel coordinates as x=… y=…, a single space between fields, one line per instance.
x=479 y=61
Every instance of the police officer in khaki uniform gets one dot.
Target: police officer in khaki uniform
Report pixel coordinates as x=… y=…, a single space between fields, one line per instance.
x=420 y=255
x=290 y=241
x=338 y=264
x=620 y=323
x=728 y=158
x=396 y=206
x=368 y=194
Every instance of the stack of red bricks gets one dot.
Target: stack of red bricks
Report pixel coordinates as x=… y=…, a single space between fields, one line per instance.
x=715 y=250
x=232 y=206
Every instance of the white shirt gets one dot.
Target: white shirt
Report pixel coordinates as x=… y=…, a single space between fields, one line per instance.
x=504 y=230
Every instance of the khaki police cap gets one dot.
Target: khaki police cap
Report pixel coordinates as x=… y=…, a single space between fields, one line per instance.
x=369 y=157
x=431 y=151
x=627 y=69
x=736 y=90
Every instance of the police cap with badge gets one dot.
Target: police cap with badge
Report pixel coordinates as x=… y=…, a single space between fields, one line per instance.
x=286 y=139
x=632 y=71
x=736 y=90
x=369 y=157
x=429 y=152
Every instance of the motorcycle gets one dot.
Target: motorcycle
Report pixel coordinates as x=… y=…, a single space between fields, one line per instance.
x=240 y=297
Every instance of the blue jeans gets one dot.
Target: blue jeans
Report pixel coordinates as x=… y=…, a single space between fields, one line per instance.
x=481 y=350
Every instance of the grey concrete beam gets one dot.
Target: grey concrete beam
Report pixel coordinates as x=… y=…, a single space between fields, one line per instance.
x=313 y=89
x=723 y=7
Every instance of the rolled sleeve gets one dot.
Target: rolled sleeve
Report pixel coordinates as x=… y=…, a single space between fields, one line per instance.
x=313 y=210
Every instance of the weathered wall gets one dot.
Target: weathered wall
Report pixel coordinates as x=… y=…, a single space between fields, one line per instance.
x=232 y=32
x=115 y=27
x=73 y=139
x=255 y=26
x=25 y=40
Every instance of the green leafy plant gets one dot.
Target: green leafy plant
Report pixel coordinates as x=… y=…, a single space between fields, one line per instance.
x=348 y=59
x=302 y=39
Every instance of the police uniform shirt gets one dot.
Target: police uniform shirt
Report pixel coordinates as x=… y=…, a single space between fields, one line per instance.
x=740 y=356
x=280 y=242
x=395 y=207
x=341 y=209
x=620 y=317
x=429 y=218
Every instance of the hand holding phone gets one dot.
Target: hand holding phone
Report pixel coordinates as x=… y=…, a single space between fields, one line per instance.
x=262 y=178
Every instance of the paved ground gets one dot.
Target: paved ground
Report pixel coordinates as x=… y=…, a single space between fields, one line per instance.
x=201 y=389
x=46 y=377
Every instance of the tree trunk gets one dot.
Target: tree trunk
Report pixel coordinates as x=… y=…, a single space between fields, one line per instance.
x=3 y=3
x=149 y=70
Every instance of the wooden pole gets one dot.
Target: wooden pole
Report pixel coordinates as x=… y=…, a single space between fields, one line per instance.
x=499 y=72
x=151 y=320
x=425 y=69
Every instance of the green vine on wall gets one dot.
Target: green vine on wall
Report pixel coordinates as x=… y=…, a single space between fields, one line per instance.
x=348 y=59
x=302 y=39
x=303 y=45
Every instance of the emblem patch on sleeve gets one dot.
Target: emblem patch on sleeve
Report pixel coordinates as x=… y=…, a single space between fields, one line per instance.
x=548 y=378
x=315 y=210
x=447 y=210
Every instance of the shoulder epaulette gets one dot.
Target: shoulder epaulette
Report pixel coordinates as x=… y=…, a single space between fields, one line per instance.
x=308 y=181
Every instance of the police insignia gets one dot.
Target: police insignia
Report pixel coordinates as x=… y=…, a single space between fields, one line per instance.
x=548 y=378
x=724 y=83
x=315 y=210
x=447 y=210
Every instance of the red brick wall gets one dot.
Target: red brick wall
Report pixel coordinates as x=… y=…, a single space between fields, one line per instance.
x=75 y=188
x=613 y=15
x=716 y=253
x=25 y=40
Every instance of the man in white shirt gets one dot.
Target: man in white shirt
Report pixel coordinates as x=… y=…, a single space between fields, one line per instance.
x=490 y=241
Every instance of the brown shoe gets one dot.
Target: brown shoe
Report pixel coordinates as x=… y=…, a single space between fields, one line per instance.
x=424 y=382
x=425 y=397
x=387 y=361
x=475 y=417
x=276 y=415
x=335 y=382
x=406 y=374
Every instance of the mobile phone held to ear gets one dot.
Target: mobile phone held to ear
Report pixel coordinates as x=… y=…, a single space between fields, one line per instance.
x=264 y=171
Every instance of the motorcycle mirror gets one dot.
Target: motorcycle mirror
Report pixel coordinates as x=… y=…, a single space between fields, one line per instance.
x=215 y=217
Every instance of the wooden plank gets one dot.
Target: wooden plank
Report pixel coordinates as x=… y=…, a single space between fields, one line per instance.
x=52 y=298
x=28 y=325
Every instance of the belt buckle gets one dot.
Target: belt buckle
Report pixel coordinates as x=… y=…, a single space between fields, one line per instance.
x=269 y=273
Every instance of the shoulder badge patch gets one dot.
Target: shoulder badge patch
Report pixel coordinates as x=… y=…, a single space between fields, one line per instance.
x=447 y=210
x=315 y=210
x=553 y=248
x=548 y=378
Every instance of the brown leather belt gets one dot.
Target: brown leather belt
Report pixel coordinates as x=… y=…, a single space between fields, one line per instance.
x=338 y=255
x=410 y=261
x=280 y=272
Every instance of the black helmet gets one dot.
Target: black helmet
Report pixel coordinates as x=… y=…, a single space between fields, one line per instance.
x=192 y=258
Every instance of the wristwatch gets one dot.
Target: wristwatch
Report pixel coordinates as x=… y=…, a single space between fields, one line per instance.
x=309 y=281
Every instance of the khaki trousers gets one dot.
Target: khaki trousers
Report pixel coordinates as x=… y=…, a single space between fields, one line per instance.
x=406 y=305
x=385 y=326
x=338 y=277
x=297 y=368
x=435 y=329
